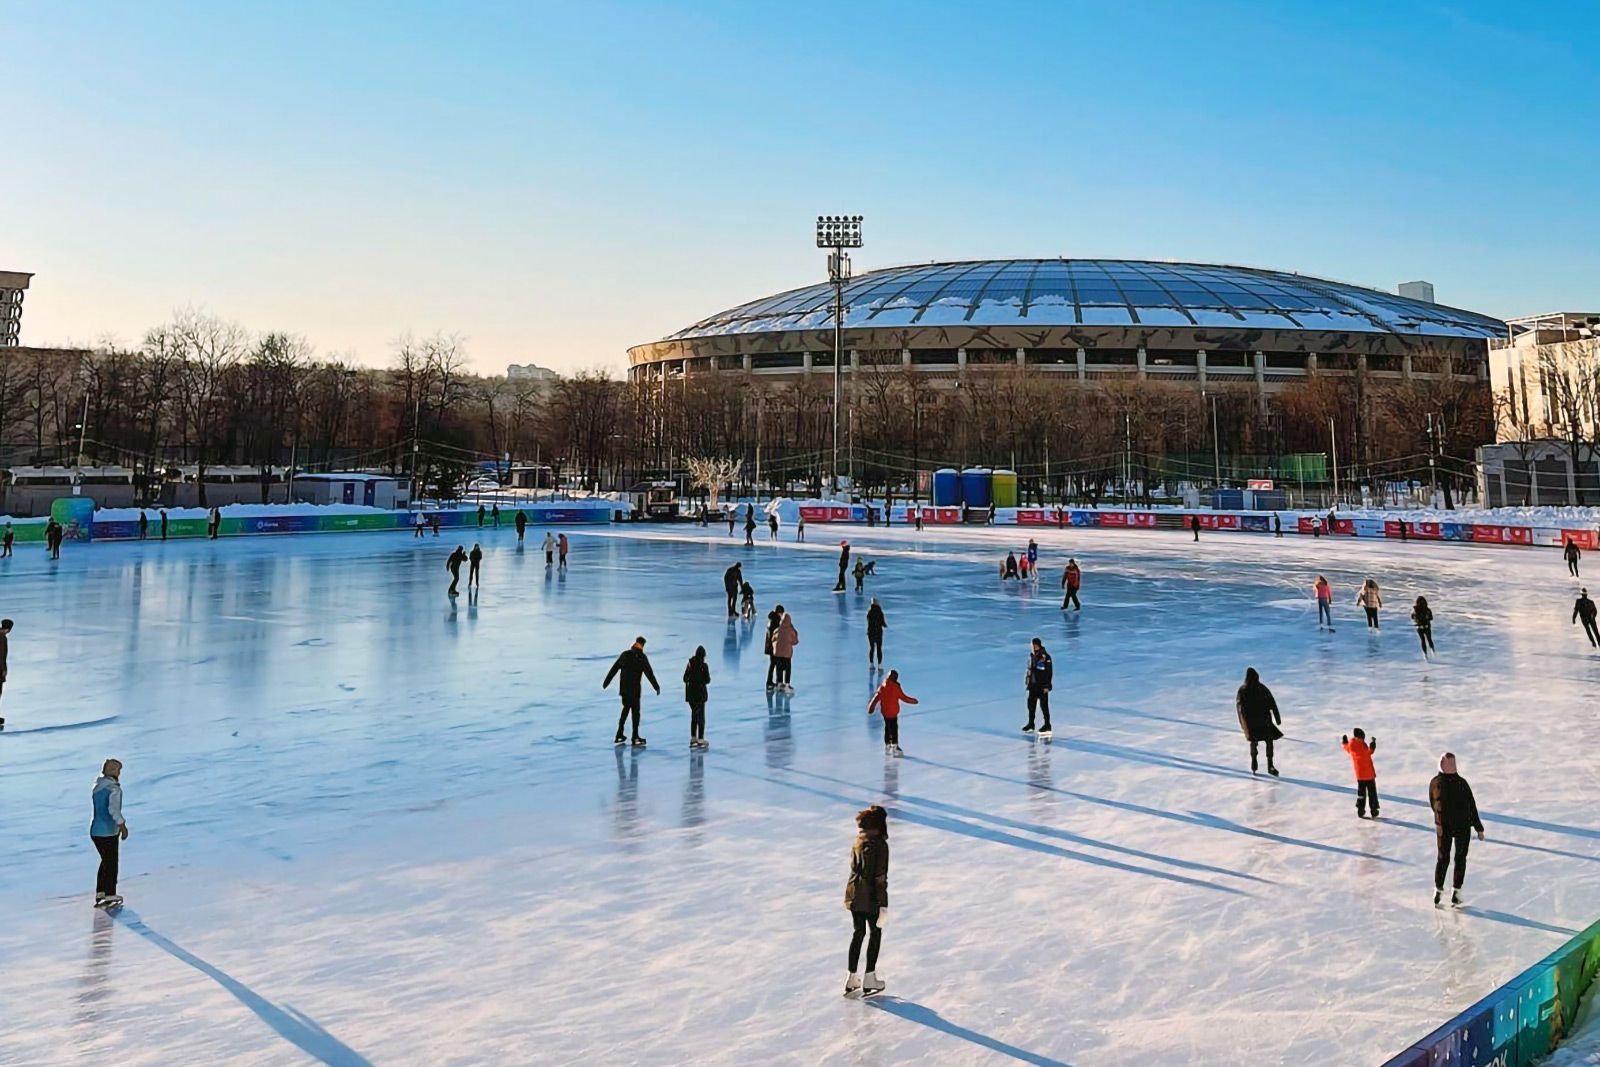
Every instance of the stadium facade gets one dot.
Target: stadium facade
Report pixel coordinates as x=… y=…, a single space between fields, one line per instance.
x=1084 y=319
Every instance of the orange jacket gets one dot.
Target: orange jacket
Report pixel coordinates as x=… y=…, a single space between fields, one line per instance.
x=1361 y=758
x=888 y=699
x=1324 y=591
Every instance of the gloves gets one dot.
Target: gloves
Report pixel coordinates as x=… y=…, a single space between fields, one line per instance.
x=883 y=917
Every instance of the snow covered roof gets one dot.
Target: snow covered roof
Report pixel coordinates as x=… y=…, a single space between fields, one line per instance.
x=1096 y=292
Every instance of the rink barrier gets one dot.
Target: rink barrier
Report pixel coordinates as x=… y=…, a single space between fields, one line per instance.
x=1521 y=1022
x=568 y=513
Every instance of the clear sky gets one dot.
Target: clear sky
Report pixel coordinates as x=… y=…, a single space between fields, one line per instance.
x=557 y=182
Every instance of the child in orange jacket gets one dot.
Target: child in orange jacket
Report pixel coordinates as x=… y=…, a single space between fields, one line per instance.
x=889 y=698
x=1361 y=750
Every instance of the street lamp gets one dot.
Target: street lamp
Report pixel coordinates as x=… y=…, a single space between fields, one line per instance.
x=838 y=232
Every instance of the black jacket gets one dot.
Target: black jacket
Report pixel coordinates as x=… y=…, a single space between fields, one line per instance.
x=730 y=579
x=1454 y=809
x=1422 y=616
x=1041 y=671
x=1571 y=551
x=1583 y=608
x=875 y=621
x=696 y=677
x=633 y=664
x=1258 y=712
x=457 y=558
x=844 y=557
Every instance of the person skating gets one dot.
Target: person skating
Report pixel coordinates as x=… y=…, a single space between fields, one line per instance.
x=747 y=601
x=1571 y=553
x=1370 y=600
x=1583 y=608
x=1033 y=558
x=750 y=524
x=1194 y=526
x=784 y=638
x=634 y=666
x=7 y=540
x=1361 y=752
x=562 y=547
x=1022 y=568
x=1455 y=816
x=1405 y=531
x=919 y=520
x=733 y=517
x=1259 y=717
x=144 y=525
x=435 y=522
x=1422 y=619
x=1316 y=528
x=696 y=683
x=418 y=526
x=5 y=654
x=866 y=898
x=453 y=565
x=774 y=619
x=860 y=575
x=800 y=528
x=1277 y=525
x=494 y=516
x=732 y=579
x=107 y=830
x=214 y=526
x=474 y=565
x=772 y=526
x=1038 y=680
x=888 y=699
x=1071 y=579
x=481 y=514
x=844 y=562
x=1324 y=593
x=1008 y=569
x=521 y=523
x=163 y=524
x=876 y=624
x=549 y=549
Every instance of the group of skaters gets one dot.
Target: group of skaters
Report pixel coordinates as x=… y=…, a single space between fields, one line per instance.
x=555 y=555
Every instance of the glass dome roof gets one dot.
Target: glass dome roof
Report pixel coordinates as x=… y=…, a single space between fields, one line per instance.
x=1095 y=292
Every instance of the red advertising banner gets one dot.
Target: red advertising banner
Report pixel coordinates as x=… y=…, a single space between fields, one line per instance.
x=825 y=512
x=1503 y=535
x=1344 y=526
x=1143 y=519
x=1113 y=518
x=1584 y=539
x=1425 y=531
x=1034 y=517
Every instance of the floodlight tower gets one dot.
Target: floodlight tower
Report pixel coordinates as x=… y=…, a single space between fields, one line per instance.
x=838 y=232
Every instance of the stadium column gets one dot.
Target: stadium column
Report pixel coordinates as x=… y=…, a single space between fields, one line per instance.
x=1083 y=360
x=1260 y=361
x=961 y=358
x=805 y=362
x=1140 y=358
x=1022 y=356
x=1200 y=368
x=1311 y=364
x=905 y=357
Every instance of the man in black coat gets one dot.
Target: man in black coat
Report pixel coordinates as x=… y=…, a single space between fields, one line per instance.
x=633 y=665
x=1584 y=608
x=1040 y=677
x=774 y=619
x=1455 y=816
x=844 y=562
x=453 y=565
x=732 y=582
x=1259 y=717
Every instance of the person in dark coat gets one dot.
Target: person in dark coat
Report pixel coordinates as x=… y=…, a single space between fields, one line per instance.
x=1194 y=525
x=214 y=527
x=5 y=654
x=732 y=581
x=774 y=620
x=7 y=540
x=453 y=565
x=522 y=524
x=696 y=685
x=1455 y=816
x=633 y=665
x=1009 y=568
x=494 y=516
x=474 y=565
x=481 y=513
x=866 y=897
x=1571 y=553
x=163 y=524
x=1584 y=608
x=1277 y=525
x=144 y=525
x=1422 y=619
x=1041 y=675
x=844 y=563
x=749 y=524
x=1071 y=580
x=875 y=627
x=1259 y=717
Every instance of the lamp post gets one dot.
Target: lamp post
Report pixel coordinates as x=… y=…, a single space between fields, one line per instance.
x=838 y=232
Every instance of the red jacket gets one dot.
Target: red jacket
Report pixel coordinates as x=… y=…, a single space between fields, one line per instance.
x=888 y=698
x=1361 y=758
x=1324 y=591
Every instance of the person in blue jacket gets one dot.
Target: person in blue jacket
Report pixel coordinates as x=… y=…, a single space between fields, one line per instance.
x=107 y=830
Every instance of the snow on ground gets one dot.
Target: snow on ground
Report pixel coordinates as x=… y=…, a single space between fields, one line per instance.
x=370 y=825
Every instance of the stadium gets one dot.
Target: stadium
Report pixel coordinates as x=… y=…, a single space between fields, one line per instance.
x=1084 y=319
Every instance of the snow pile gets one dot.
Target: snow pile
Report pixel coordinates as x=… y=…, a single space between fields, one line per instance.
x=1582 y=1047
x=237 y=511
x=1569 y=518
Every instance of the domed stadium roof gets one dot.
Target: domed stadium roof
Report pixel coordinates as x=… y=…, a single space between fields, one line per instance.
x=1095 y=292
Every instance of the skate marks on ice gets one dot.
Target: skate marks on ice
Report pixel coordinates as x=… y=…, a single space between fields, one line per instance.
x=922 y=1015
x=292 y=1025
x=57 y=728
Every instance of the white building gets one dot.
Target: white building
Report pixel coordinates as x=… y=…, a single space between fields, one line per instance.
x=1545 y=378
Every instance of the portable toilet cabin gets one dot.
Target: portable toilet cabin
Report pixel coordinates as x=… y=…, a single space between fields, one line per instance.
x=946 y=488
x=976 y=488
x=1005 y=489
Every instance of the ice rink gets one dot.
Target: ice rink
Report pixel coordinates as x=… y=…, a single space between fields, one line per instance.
x=369 y=825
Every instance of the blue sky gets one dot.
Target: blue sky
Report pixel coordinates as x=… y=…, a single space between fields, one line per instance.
x=558 y=182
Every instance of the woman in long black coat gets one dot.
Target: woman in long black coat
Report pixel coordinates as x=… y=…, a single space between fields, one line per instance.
x=1258 y=717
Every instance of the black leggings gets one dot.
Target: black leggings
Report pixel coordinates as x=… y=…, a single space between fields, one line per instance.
x=1040 y=699
x=697 y=720
x=1268 y=743
x=1461 y=841
x=733 y=598
x=874 y=647
x=105 y=879
x=1372 y=618
x=891 y=731
x=1572 y=567
x=1425 y=635
x=785 y=668
x=1071 y=598
x=864 y=921
x=1367 y=793
x=622 y=720
x=1593 y=632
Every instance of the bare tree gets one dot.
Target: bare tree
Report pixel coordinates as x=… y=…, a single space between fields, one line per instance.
x=208 y=350
x=711 y=475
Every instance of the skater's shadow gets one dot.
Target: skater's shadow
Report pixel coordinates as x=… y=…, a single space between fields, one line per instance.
x=1517 y=920
x=925 y=1016
x=293 y=1026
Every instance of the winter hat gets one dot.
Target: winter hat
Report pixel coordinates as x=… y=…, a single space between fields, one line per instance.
x=1359 y=732
x=1447 y=763
x=1250 y=676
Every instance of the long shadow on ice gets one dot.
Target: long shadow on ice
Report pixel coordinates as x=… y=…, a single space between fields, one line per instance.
x=293 y=1026
x=1517 y=920
x=917 y=1013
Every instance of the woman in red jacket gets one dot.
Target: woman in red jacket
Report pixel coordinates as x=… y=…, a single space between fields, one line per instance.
x=888 y=698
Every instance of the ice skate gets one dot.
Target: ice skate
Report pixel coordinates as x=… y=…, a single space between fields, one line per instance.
x=895 y=749
x=872 y=985
x=1438 y=898
x=852 y=986
x=108 y=902
x=619 y=740
x=1456 y=900
x=1045 y=734
x=638 y=742
x=1272 y=770
x=1028 y=729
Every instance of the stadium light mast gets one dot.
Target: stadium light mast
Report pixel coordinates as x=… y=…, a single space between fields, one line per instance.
x=838 y=232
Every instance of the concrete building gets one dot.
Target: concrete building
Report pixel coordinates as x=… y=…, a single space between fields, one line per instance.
x=352 y=487
x=13 y=284
x=1545 y=377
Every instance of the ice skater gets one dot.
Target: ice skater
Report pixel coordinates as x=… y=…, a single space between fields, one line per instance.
x=521 y=523
x=1455 y=816
x=784 y=638
x=1370 y=601
x=1038 y=680
x=1008 y=567
x=747 y=601
x=474 y=566
x=1324 y=593
x=750 y=524
x=732 y=579
x=214 y=523
x=434 y=522
x=860 y=575
x=866 y=898
x=494 y=516
x=417 y=527
x=1277 y=525
x=774 y=619
x=163 y=524
x=1033 y=557
x=844 y=563
x=453 y=565
x=481 y=514
x=7 y=540
x=1259 y=717
x=53 y=535
x=1071 y=579
x=733 y=517
x=633 y=665
x=1571 y=553
x=1422 y=619
x=1361 y=751
x=800 y=528
x=5 y=655
x=107 y=830
x=1583 y=608
x=562 y=546
x=772 y=526
x=549 y=549
x=1194 y=526
x=144 y=525
x=875 y=627
x=696 y=683
x=888 y=699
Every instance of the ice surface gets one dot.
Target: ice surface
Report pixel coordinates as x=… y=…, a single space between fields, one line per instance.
x=370 y=825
